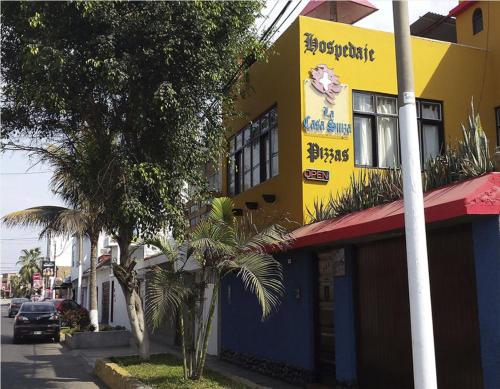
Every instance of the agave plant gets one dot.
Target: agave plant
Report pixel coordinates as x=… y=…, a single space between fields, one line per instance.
x=220 y=245
x=473 y=149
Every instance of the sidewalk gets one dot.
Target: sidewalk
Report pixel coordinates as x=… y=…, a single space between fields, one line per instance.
x=236 y=373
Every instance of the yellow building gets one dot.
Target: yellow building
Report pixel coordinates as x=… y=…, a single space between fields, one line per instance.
x=324 y=105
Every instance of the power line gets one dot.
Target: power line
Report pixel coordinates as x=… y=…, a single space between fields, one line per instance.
x=283 y=22
x=265 y=18
x=263 y=38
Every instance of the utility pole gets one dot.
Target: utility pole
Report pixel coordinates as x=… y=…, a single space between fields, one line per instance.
x=80 y=264
x=422 y=335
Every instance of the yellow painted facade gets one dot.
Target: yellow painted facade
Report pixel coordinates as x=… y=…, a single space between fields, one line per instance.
x=449 y=73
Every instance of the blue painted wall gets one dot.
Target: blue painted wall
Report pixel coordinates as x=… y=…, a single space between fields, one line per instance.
x=486 y=235
x=345 y=335
x=287 y=336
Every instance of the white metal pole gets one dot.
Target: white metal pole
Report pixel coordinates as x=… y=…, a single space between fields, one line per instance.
x=422 y=335
x=80 y=261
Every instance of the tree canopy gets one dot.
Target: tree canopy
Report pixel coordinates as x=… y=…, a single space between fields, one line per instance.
x=144 y=82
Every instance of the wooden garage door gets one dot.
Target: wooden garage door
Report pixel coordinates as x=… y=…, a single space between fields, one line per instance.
x=384 y=338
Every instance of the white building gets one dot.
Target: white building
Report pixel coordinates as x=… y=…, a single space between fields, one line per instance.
x=168 y=332
x=110 y=298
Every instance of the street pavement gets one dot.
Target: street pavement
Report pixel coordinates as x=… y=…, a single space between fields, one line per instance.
x=41 y=364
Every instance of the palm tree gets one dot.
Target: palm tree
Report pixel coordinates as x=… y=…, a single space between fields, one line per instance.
x=64 y=221
x=220 y=245
x=30 y=263
x=71 y=181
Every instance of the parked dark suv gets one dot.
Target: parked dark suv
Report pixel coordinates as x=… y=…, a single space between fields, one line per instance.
x=37 y=320
x=15 y=304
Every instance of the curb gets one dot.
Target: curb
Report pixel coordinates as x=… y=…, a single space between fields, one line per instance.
x=115 y=377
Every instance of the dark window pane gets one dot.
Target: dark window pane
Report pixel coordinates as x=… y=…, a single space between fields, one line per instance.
x=477 y=21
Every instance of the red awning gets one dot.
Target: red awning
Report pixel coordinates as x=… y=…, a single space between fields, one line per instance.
x=478 y=196
x=461 y=7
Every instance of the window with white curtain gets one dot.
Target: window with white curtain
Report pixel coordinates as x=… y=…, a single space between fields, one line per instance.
x=430 y=129
x=253 y=153
x=376 y=132
x=376 y=140
x=363 y=148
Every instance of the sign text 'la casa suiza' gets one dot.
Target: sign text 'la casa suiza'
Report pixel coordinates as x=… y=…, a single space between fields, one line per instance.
x=338 y=50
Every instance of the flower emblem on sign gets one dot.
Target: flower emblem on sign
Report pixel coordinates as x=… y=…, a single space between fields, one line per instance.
x=326 y=82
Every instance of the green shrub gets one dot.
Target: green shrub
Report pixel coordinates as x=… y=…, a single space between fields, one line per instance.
x=75 y=318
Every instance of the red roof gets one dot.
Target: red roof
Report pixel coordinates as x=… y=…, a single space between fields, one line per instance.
x=478 y=196
x=348 y=11
x=461 y=7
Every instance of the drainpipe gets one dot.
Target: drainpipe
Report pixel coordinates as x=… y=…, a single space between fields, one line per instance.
x=422 y=334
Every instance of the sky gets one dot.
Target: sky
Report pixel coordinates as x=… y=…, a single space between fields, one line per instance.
x=24 y=184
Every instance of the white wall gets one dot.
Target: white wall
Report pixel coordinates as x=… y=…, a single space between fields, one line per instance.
x=74 y=247
x=120 y=316
x=192 y=266
x=61 y=250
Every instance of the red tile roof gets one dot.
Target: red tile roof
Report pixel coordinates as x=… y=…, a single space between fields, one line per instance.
x=461 y=7
x=478 y=196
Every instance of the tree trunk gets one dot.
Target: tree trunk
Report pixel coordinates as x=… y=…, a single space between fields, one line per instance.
x=208 y=328
x=137 y=322
x=126 y=276
x=183 y=342
x=94 y=316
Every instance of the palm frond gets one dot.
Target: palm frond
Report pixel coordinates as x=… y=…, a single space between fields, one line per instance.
x=212 y=238
x=165 y=293
x=262 y=275
x=60 y=220
x=222 y=210
x=273 y=236
x=169 y=249
x=34 y=217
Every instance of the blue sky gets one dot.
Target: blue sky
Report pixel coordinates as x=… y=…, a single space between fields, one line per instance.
x=20 y=191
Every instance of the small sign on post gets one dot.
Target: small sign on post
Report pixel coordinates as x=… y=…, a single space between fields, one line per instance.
x=48 y=268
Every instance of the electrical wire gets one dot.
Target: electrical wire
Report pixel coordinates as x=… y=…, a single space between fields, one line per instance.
x=263 y=38
x=270 y=12
x=283 y=22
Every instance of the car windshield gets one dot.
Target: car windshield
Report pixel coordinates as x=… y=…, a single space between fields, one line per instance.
x=37 y=308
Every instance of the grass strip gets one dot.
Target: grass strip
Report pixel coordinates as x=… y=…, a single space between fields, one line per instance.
x=165 y=371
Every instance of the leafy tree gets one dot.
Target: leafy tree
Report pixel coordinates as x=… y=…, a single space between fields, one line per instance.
x=146 y=83
x=30 y=262
x=220 y=245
